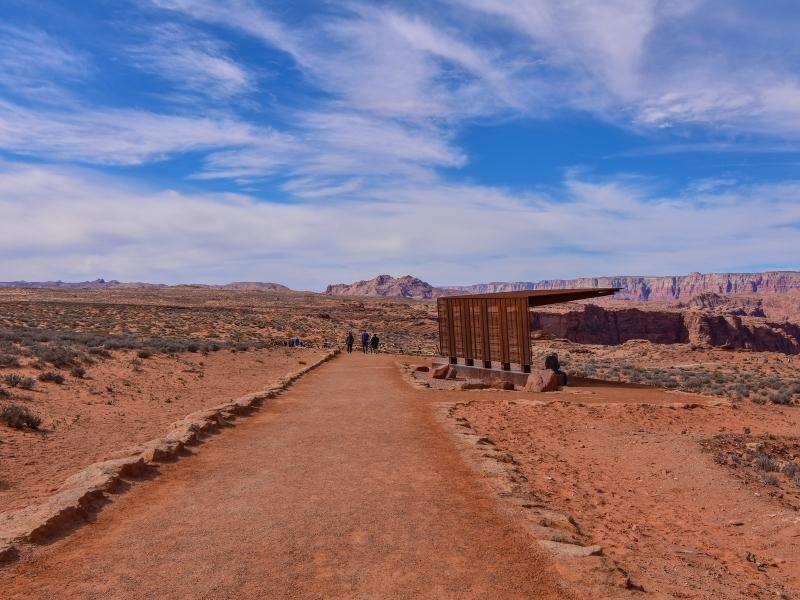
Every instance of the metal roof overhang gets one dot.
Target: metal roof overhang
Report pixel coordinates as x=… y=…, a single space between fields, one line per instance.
x=544 y=297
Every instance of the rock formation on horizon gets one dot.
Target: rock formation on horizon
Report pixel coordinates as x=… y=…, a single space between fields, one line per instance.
x=102 y=284
x=386 y=285
x=637 y=288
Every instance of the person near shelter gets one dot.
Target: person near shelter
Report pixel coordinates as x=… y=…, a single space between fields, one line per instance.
x=551 y=362
x=364 y=342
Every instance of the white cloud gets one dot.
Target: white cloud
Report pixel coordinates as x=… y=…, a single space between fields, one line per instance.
x=80 y=225
x=340 y=144
x=122 y=137
x=32 y=63
x=192 y=61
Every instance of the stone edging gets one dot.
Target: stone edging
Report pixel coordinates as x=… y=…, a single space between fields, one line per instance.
x=579 y=561
x=85 y=492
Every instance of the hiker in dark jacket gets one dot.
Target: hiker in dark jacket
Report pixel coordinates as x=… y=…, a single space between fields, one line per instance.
x=350 y=340
x=374 y=342
x=551 y=362
x=364 y=342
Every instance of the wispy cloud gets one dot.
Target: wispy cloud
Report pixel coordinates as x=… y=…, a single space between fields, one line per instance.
x=33 y=64
x=115 y=137
x=191 y=61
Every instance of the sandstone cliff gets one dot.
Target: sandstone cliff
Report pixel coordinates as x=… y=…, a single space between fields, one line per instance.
x=386 y=285
x=662 y=289
x=592 y=324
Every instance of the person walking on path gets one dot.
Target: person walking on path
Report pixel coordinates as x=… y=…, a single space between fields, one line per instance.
x=364 y=342
x=350 y=340
x=374 y=342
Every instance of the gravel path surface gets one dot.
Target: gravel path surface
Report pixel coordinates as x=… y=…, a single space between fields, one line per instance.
x=344 y=487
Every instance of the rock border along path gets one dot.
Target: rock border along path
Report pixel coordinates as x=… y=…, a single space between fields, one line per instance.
x=85 y=492
x=345 y=486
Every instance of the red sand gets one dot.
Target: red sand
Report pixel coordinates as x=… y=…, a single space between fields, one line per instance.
x=637 y=481
x=119 y=405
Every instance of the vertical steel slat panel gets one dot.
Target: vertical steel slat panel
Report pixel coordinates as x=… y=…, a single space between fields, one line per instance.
x=504 y=348
x=487 y=349
x=444 y=337
x=525 y=327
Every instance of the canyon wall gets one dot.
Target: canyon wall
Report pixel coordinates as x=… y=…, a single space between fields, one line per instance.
x=592 y=324
x=661 y=289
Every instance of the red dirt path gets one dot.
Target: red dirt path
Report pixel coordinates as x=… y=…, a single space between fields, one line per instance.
x=346 y=486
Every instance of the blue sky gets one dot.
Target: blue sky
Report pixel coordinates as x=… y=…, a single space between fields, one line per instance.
x=457 y=140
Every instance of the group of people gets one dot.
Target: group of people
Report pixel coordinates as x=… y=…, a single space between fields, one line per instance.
x=369 y=343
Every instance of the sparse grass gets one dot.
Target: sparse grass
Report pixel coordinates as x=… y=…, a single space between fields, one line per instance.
x=15 y=380
x=791 y=469
x=77 y=372
x=8 y=360
x=765 y=463
x=769 y=479
x=19 y=417
x=51 y=376
x=736 y=384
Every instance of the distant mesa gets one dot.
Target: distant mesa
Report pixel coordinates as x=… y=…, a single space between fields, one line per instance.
x=102 y=284
x=636 y=288
x=386 y=285
x=252 y=286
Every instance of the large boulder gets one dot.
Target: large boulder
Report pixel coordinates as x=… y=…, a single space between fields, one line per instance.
x=440 y=372
x=542 y=381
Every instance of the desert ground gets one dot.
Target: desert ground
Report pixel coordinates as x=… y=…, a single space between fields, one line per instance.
x=673 y=468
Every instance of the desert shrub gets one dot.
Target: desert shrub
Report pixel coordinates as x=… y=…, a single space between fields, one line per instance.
x=58 y=356
x=20 y=381
x=766 y=463
x=742 y=390
x=52 y=376
x=144 y=353
x=102 y=352
x=77 y=371
x=18 y=417
x=4 y=393
x=791 y=469
x=242 y=347
x=769 y=479
x=8 y=360
x=123 y=343
x=781 y=397
x=193 y=347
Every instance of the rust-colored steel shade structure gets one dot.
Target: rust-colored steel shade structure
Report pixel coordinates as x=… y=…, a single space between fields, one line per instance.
x=497 y=327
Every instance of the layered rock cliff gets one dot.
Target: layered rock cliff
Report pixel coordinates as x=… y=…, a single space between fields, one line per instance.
x=661 y=289
x=592 y=324
x=386 y=285
x=641 y=289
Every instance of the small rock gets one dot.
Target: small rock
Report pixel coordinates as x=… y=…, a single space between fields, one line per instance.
x=542 y=381
x=422 y=369
x=571 y=550
x=440 y=372
x=474 y=385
